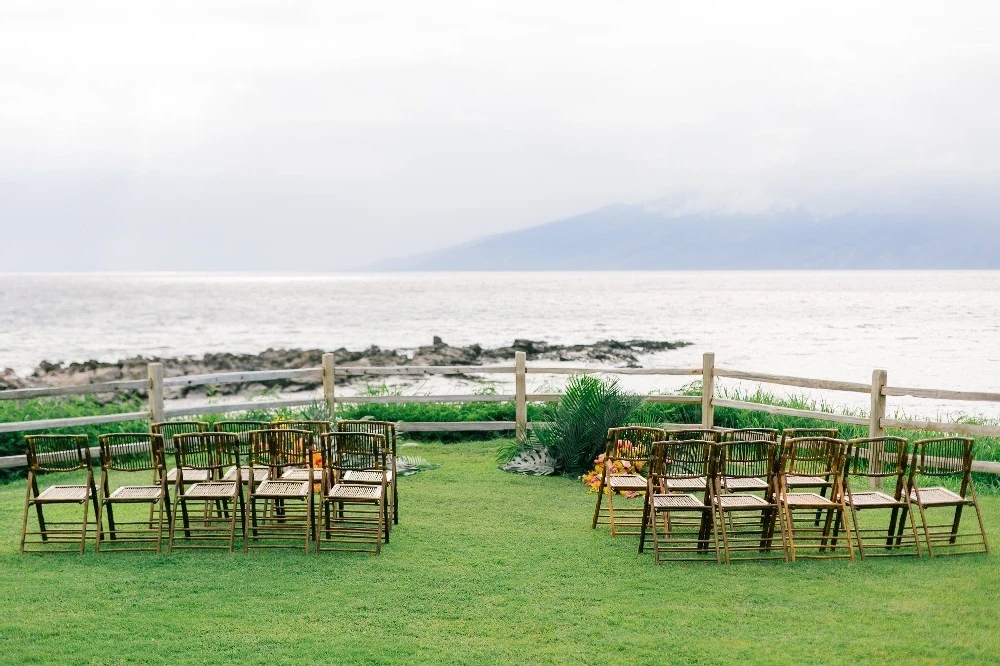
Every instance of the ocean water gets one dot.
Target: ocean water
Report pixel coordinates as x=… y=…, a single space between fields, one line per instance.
x=928 y=329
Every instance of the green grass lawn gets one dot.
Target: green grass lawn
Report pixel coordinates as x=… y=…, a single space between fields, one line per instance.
x=488 y=567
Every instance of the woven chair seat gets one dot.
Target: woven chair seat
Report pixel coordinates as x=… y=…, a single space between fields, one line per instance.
x=806 y=500
x=357 y=476
x=211 y=490
x=932 y=496
x=698 y=483
x=190 y=475
x=302 y=475
x=872 y=499
x=739 y=501
x=677 y=502
x=627 y=482
x=745 y=483
x=259 y=474
x=801 y=481
x=63 y=494
x=283 y=488
x=136 y=494
x=342 y=491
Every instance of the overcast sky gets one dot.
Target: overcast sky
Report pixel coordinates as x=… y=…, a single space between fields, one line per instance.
x=317 y=136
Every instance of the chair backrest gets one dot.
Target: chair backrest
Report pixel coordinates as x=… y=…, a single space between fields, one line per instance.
x=706 y=434
x=58 y=453
x=240 y=428
x=632 y=443
x=750 y=435
x=354 y=451
x=942 y=456
x=799 y=433
x=132 y=451
x=745 y=460
x=812 y=456
x=167 y=429
x=317 y=428
x=682 y=459
x=386 y=428
x=280 y=448
x=206 y=450
x=877 y=457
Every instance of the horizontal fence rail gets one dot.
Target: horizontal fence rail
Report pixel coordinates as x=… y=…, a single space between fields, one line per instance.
x=158 y=408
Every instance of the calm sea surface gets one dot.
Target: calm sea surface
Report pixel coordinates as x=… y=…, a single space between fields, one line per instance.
x=933 y=329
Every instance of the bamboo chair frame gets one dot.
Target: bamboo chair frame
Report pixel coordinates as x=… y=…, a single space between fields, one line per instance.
x=317 y=428
x=685 y=464
x=57 y=454
x=291 y=500
x=751 y=435
x=167 y=430
x=355 y=515
x=746 y=521
x=881 y=458
x=242 y=429
x=821 y=457
x=632 y=445
x=132 y=452
x=699 y=434
x=941 y=458
x=214 y=452
x=388 y=429
x=801 y=482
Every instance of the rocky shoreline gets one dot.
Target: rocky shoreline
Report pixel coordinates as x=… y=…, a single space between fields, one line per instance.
x=613 y=352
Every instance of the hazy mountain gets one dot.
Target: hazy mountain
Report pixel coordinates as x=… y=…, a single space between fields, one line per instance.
x=651 y=236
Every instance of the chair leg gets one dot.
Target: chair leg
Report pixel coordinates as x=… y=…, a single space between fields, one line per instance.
x=982 y=529
x=83 y=527
x=24 y=518
x=926 y=529
x=645 y=520
x=611 y=512
x=597 y=509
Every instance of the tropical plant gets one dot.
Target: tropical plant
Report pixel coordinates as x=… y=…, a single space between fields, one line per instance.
x=574 y=430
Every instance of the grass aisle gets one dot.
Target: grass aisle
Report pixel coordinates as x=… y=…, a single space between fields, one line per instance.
x=488 y=567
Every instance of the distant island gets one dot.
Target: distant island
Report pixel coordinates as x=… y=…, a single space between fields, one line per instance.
x=654 y=236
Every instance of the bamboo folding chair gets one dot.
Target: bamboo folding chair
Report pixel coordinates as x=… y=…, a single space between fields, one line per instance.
x=57 y=454
x=317 y=428
x=242 y=429
x=745 y=520
x=387 y=429
x=167 y=430
x=131 y=453
x=704 y=434
x=678 y=470
x=807 y=536
x=291 y=500
x=212 y=451
x=355 y=515
x=880 y=459
x=759 y=483
x=946 y=458
x=632 y=446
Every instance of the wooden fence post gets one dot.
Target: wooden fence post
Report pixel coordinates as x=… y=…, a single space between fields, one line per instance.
x=155 y=393
x=875 y=429
x=520 y=398
x=329 y=379
x=707 y=390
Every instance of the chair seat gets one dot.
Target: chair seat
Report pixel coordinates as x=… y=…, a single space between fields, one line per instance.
x=357 y=476
x=681 y=485
x=806 y=500
x=283 y=488
x=933 y=496
x=872 y=499
x=63 y=494
x=136 y=494
x=259 y=474
x=302 y=475
x=745 y=483
x=740 y=501
x=627 y=482
x=678 y=501
x=190 y=475
x=344 y=491
x=211 y=490
x=801 y=481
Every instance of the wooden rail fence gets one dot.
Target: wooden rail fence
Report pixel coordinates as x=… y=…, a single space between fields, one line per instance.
x=157 y=410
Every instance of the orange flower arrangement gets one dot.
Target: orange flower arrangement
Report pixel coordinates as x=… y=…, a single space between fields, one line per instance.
x=625 y=449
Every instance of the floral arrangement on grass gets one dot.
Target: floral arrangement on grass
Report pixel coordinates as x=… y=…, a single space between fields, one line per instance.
x=625 y=449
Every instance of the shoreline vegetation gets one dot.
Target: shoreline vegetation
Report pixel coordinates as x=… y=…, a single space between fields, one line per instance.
x=439 y=353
